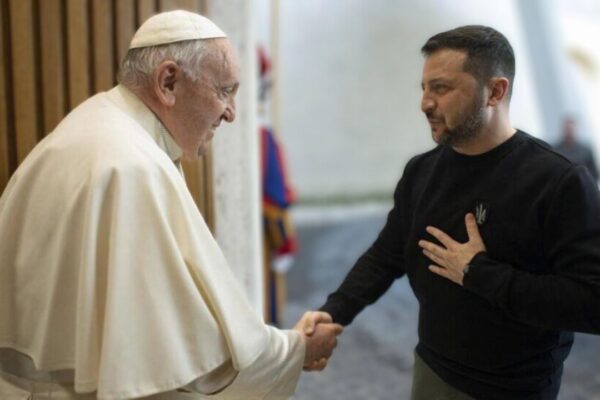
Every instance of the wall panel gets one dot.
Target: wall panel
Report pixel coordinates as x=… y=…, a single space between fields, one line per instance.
x=126 y=26
x=103 y=48
x=53 y=66
x=5 y=112
x=190 y=5
x=145 y=9
x=78 y=52
x=25 y=95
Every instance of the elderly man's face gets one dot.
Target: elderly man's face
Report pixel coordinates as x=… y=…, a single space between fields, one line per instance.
x=204 y=104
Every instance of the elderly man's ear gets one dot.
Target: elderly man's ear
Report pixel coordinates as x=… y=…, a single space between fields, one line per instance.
x=166 y=78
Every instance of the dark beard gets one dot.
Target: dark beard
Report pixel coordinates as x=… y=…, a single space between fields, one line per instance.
x=469 y=128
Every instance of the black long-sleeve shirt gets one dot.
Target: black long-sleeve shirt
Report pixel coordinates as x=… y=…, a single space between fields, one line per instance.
x=507 y=331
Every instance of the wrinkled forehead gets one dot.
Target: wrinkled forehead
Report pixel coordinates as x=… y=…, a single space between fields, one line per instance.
x=222 y=60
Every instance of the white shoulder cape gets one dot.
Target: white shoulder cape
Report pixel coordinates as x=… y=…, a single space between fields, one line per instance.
x=106 y=265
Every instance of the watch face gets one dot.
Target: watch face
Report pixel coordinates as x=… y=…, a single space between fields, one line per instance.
x=466 y=269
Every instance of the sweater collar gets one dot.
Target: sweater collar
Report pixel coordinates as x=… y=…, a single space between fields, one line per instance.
x=490 y=156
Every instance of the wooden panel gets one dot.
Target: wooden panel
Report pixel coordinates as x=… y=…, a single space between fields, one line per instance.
x=53 y=63
x=78 y=52
x=208 y=189
x=203 y=7
x=145 y=9
x=198 y=176
x=207 y=162
x=190 y=5
x=193 y=180
x=125 y=20
x=102 y=49
x=4 y=113
x=24 y=78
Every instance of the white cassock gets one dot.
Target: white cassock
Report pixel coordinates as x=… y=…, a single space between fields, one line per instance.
x=110 y=278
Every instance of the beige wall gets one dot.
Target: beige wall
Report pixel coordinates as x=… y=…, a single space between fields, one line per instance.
x=236 y=163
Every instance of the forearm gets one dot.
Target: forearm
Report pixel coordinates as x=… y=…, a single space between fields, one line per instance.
x=548 y=301
x=567 y=295
x=375 y=271
x=369 y=279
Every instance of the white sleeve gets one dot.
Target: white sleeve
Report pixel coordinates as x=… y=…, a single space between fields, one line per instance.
x=215 y=381
x=273 y=376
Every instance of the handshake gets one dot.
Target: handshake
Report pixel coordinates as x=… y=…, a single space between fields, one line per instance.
x=320 y=337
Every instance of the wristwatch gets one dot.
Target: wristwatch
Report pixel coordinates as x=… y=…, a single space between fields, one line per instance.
x=466 y=269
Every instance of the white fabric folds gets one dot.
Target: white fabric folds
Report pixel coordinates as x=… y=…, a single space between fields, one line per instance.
x=107 y=267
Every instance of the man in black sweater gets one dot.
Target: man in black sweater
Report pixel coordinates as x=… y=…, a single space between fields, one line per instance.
x=499 y=237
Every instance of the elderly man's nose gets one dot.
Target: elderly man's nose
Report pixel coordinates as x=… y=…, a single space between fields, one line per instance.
x=229 y=114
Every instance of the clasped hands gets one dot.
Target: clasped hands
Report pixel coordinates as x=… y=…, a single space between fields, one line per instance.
x=451 y=258
x=320 y=337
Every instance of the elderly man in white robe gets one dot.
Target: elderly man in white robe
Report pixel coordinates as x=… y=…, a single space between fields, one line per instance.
x=111 y=285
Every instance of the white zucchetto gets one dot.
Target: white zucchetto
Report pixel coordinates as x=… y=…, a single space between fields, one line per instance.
x=174 y=26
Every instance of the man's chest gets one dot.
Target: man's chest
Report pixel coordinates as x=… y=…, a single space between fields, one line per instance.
x=509 y=216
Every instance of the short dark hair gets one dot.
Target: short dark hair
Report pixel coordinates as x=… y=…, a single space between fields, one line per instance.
x=488 y=52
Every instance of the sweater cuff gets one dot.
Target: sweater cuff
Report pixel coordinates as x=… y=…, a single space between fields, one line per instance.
x=339 y=310
x=488 y=278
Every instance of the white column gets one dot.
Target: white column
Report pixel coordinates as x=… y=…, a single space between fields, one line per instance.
x=557 y=92
x=236 y=158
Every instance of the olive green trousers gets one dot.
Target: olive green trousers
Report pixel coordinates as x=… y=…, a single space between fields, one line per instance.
x=427 y=385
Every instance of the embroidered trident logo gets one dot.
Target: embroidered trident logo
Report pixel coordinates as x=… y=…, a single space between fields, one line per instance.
x=481 y=212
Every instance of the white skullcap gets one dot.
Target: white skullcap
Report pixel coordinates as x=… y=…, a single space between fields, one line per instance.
x=174 y=26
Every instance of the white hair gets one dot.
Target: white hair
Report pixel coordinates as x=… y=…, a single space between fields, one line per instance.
x=139 y=63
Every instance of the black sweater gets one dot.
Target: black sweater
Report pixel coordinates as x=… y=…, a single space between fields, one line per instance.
x=506 y=333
